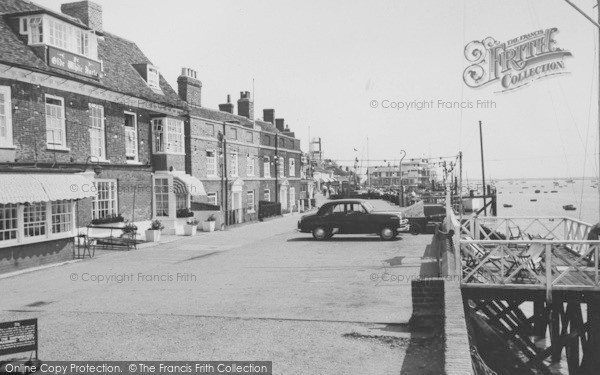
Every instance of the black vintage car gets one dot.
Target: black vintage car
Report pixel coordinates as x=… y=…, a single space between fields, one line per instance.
x=352 y=216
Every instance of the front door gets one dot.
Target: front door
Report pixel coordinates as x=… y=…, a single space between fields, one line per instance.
x=283 y=198
x=356 y=219
x=237 y=207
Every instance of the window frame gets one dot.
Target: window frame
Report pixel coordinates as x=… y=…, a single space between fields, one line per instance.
x=250 y=167
x=292 y=167
x=213 y=195
x=162 y=144
x=267 y=195
x=281 y=167
x=211 y=161
x=292 y=194
x=235 y=164
x=164 y=193
x=134 y=131
x=47 y=224
x=95 y=200
x=101 y=130
x=250 y=204
x=54 y=146
x=266 y=167
x=7 y=141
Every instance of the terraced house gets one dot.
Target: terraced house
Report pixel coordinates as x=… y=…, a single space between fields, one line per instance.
x=239 y=159
x=90 y=131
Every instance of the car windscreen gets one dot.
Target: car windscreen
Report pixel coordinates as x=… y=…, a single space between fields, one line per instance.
x=368 y=206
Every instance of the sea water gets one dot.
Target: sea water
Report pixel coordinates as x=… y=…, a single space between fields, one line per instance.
x=581 y=193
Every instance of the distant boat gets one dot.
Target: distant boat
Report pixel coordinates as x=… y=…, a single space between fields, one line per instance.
x=537 y=191
x=554 y=191
x=507 y=205
x=569 y=207
x=570 y=181
x=533 y=200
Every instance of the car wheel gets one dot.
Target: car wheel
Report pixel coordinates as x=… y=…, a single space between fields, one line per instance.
x=415 y=229
x=387 y=234
x=321 y=233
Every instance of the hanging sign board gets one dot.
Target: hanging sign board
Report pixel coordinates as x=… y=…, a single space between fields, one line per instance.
x=70 y=62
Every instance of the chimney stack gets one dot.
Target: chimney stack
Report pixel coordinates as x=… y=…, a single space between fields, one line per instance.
x=227 y=107
x=86 y=11
x=269 y=116
x=279 y=124
x=245 y=105
x=189 y=87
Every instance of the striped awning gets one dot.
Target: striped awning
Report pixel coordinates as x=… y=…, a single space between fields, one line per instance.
x=34 y=187
x=187 y=184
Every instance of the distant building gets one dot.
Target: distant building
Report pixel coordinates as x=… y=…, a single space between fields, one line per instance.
x=416 y=173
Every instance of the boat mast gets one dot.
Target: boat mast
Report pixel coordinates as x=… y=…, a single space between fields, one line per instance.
x=597 y=26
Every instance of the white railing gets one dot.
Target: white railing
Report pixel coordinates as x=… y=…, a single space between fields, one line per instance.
x=534 y=264
x=528 y=253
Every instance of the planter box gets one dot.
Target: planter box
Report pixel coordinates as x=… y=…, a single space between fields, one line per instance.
x=189 y=230
x=208 y=226
x=152 y=235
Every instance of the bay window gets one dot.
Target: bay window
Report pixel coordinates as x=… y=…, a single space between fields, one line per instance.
x=36 y=222
x=168 y=135
x=45 y=29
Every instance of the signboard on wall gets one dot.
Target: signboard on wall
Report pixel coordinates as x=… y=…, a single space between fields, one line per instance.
x=70 y=62
x=18 y=337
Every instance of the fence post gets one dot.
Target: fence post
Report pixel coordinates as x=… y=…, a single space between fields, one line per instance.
x=548 y=273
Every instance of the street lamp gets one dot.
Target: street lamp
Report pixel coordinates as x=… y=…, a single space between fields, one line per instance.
x=224 y=178
x=401 y=192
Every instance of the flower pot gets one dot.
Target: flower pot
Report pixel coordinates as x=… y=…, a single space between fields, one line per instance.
x=189 y=230
x=152 y=235
x=208 y=226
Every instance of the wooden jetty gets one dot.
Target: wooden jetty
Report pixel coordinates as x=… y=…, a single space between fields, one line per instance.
x=547 y=261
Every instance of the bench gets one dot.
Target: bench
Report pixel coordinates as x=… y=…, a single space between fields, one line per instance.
x=118 y=237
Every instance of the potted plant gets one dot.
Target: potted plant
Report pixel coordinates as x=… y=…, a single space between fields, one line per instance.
x=190 y=227
x=153 y=233
x=209 y=224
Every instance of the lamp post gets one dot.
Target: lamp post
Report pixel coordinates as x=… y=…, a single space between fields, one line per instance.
x=401 y=192
x=224 y=178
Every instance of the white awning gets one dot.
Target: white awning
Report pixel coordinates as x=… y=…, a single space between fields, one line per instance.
x=193 y=186
x=43 y=187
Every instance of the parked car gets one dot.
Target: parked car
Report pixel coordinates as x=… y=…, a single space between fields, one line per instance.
x=433 y=214
x=352 y=216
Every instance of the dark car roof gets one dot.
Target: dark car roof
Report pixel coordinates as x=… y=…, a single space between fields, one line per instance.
x=345 y=201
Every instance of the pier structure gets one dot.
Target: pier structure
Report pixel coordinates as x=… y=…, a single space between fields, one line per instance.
x=534 y=282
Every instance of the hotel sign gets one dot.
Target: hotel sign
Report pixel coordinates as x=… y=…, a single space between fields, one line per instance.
x=18 y=337
x=70 y=62
x=515 y=63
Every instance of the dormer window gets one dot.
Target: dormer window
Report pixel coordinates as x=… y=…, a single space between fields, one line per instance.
x=44 y=29
x=153 y=77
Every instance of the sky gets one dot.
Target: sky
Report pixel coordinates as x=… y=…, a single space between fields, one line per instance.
x=329 y=68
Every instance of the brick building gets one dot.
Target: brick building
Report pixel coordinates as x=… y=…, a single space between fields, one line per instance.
x=236 y=156
x=90 y=127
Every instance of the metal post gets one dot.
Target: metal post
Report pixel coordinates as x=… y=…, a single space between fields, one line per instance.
x=482 y=170
x=401 y=192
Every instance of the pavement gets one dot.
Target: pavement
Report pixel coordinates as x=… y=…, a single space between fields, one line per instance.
x=261 y=291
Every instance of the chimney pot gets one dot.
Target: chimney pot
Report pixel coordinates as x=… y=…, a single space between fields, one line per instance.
x=246 y=105
x=227 y=107
x=189 y=87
